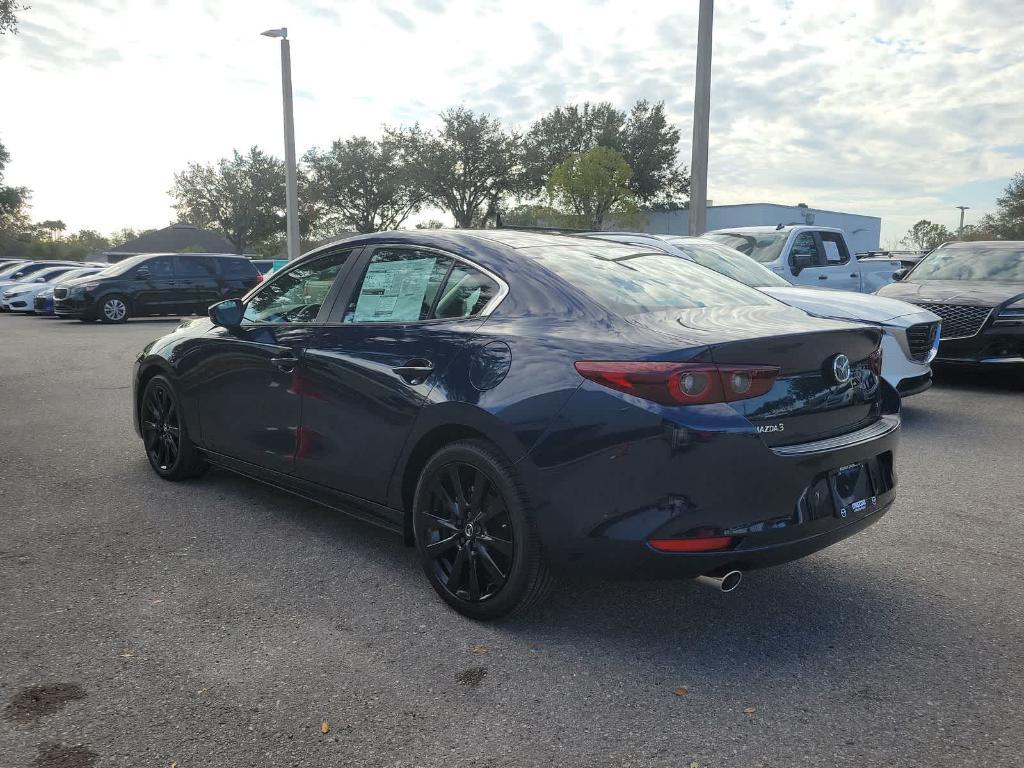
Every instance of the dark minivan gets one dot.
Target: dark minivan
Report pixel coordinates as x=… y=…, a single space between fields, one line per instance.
x=156 y=284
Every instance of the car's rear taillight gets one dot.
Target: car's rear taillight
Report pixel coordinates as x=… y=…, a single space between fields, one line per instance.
x=681 y=383
x=875 y=362
x=259 y=277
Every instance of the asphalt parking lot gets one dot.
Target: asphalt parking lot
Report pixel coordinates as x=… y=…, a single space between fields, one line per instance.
x=220 y=623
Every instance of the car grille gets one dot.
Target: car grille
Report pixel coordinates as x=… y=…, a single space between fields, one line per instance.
x=60 y=293
x=959 y=321
x=920 y=338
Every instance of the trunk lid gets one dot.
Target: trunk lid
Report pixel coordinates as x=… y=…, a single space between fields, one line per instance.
x=807 y=401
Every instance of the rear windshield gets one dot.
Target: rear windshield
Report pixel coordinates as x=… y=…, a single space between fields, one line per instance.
x=760 y=246
x=729 y=262
x=629 y=281
x=974 y=262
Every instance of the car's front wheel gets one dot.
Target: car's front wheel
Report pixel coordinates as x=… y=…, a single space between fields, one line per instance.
x=171 y=453
x=114 y=309
x=474 y=533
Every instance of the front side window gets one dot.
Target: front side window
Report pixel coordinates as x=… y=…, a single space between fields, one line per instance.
x=400 y=286
x=296 y=295
x=805 y=248
x=159 y=269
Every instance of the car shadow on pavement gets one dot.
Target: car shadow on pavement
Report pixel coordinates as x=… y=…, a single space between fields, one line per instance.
x=974 y=379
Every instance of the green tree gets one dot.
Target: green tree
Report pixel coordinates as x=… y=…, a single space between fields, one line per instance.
x=363 y=185
x=13 y=203
x=468 y=166
x=430 y=224
x=643 y=136
x=925 y=235
x=592 y=185
x=52 y=227
x=242 y=196
x=1007 y=223
x=8 y=19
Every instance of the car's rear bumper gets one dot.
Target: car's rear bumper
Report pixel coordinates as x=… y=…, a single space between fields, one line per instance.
x=599 y=509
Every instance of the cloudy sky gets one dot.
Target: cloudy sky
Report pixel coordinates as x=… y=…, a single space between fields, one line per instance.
x=892 y=108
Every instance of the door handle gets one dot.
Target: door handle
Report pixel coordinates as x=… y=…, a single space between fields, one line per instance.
x=286 y=364
x=823 y=277
x=853 y=274
x=415 y=371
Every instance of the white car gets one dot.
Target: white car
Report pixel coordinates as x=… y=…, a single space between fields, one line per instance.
x=911 y=334
x=20 y=297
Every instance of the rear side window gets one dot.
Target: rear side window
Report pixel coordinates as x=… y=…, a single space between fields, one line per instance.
x=400 y=285
x=238 y=268
x=629 y=281
x=835 y=248
x=194 y=266
x=465 y=293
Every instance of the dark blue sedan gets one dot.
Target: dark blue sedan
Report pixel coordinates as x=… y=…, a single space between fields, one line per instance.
x=519 y=403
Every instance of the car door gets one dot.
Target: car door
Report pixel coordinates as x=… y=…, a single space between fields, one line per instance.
x=247 y=381
x=843 y=270
x=197 y=283
x=153 y=287
x=369 y=370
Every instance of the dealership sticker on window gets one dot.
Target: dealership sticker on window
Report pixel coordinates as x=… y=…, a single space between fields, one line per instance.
x=831 y=251
x=394 y=290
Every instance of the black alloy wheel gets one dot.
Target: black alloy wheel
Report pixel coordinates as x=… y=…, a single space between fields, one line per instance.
x=168 y=448
x=474 y=535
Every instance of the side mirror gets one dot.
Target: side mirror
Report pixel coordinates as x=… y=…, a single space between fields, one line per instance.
x=227 y=314
x=899 y=274
x=800 y=262
x=142 y=273
x=39 y=280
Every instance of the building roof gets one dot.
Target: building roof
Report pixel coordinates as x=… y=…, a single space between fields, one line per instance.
x=177 y=237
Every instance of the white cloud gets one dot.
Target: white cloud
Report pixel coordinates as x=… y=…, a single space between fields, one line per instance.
x=896 y=109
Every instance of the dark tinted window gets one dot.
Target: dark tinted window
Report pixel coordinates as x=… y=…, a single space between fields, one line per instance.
x=729 y=262
x=804 y=244
x=296 y=295
x=238 y=267
x=159 y=269
x=973 y=262
x=194 y=266
x=465 y=293
x=629 y=281
x=400 y=286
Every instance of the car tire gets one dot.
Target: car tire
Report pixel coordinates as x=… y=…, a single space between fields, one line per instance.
x=171 y=454
x=477 y=541
x=114 y=309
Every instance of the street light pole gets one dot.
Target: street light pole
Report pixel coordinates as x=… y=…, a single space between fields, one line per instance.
x=291 y=174
x=960 y=234
x=701 y=122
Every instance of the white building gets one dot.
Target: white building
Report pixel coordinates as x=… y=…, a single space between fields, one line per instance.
x=862 y=232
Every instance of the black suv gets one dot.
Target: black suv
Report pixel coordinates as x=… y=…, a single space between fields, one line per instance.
x=156 y=284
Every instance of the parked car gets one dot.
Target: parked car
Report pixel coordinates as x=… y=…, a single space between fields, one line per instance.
x=978 y=291
x=514 y=403
x=911 y=334
x=18 y=297
x=42 y=301
x=806 y=255
x=6 y=263
x=156 y=284
x=19 y=273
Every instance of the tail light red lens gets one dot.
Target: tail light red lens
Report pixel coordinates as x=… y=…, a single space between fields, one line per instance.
x=259 y=278
x=875 y=361
x=681 y=383
x=708 y=544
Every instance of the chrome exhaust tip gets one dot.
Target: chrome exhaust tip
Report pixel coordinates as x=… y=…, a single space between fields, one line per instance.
x=726 y=582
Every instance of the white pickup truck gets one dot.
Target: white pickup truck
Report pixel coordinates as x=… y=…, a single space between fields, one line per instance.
x=808 y=255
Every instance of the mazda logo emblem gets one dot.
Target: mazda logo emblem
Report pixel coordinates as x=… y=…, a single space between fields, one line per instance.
x=841 y=368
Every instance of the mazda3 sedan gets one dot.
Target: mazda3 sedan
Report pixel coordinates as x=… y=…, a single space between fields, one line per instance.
x=518 y=403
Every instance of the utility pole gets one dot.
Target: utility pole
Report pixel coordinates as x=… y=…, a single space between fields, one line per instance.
x=291 y=175
x=960 y=234
x=701 y=122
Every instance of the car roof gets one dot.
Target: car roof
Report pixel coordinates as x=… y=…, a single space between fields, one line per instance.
x=1008 y=244
x=768 y=228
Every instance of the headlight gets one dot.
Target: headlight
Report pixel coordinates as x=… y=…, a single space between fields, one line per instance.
x=87 y=286
x=12 y=294
x=1012 y=314
x=45 y=294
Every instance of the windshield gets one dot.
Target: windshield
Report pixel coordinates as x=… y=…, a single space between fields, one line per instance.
x=997 y=263
x=764 y=247
x=82 y=272
x=629 y=281
x=729 y=262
